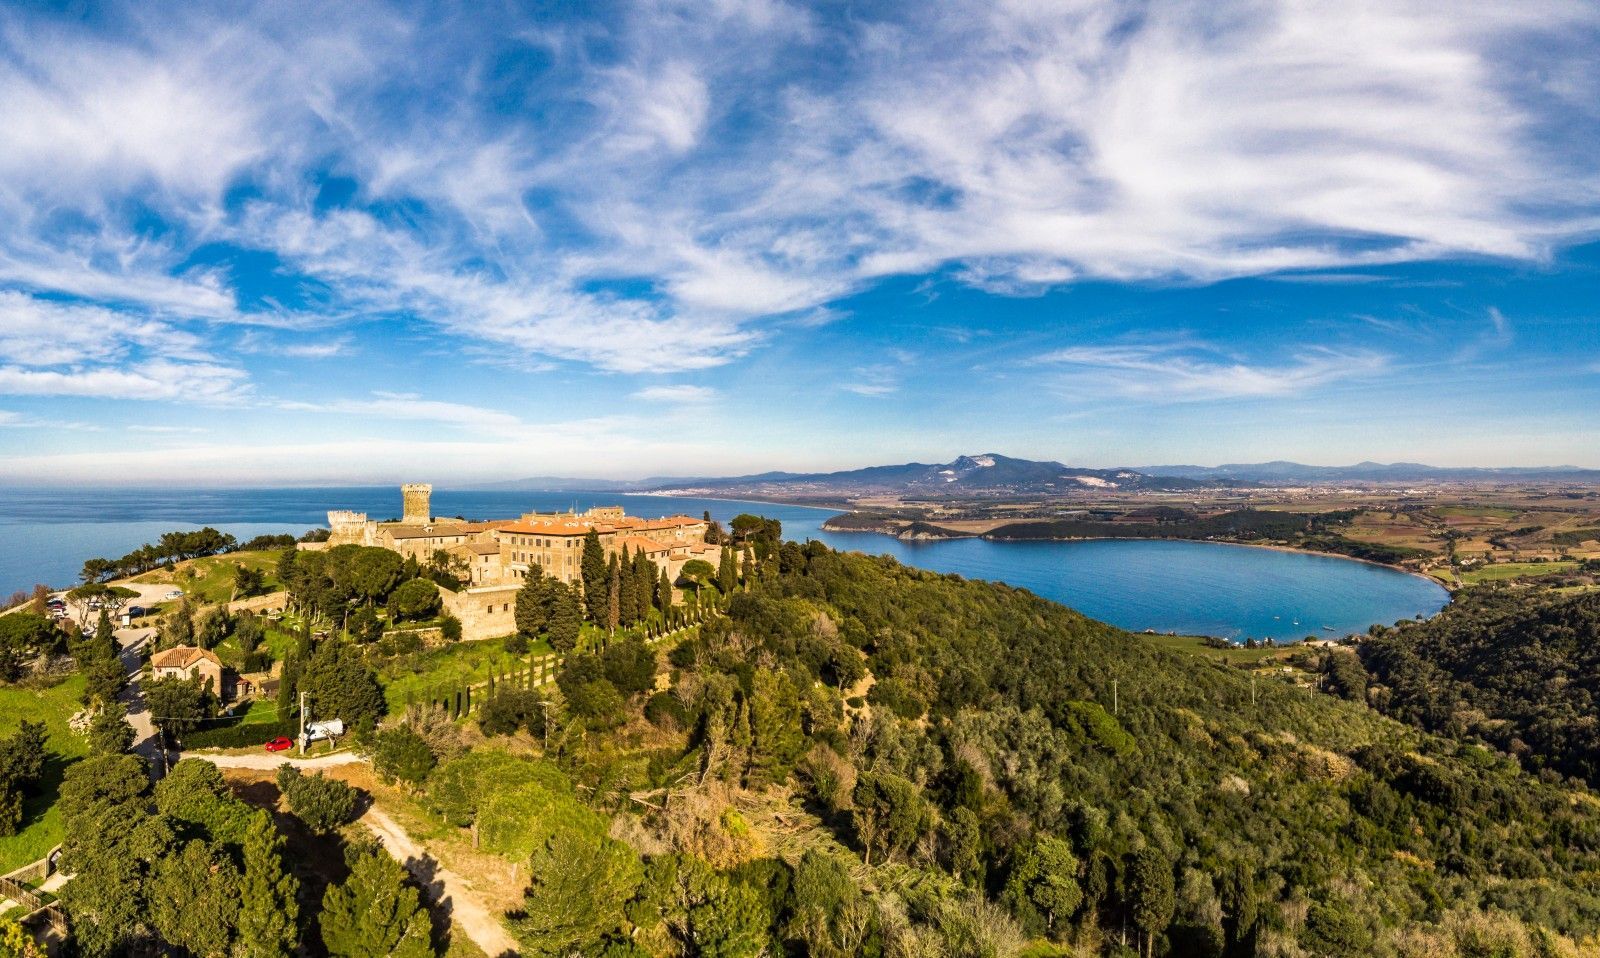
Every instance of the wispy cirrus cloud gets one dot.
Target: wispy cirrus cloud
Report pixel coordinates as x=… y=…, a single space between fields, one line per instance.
x=154 y=380
x=52 y=347
x=412 y=407
x=1183 y=372
x=698 y=155
x=680 y=394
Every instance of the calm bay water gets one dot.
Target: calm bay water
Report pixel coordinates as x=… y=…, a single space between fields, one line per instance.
x=1189 y=587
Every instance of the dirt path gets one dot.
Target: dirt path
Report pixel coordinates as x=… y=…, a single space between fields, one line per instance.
x=443 y=886
x=269 y=761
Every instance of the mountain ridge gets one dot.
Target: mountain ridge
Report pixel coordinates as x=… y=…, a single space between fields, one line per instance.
x=990 y=473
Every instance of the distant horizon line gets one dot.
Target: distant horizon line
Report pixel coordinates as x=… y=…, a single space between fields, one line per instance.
x=488 y=485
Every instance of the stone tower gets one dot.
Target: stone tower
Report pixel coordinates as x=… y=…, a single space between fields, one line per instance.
x=415 y=496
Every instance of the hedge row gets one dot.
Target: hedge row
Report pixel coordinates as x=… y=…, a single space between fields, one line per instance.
x=239 y=735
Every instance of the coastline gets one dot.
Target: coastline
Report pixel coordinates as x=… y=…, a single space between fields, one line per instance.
x=756 y=502
x=1220 y=542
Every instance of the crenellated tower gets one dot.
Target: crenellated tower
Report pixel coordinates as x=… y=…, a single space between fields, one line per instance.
x=416 y=498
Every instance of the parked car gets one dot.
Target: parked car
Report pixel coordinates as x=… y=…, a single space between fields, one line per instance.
x=280 y=744
x=174 y=594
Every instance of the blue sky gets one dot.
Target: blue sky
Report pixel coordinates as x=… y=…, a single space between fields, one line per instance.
x=245 y=243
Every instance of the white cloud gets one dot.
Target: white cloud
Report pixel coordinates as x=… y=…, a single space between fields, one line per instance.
x=875 y=381
x=409 y=406
x=38 y=332
x=1183 y=372
x=682 y=394
x=326 y=349
x=157 y=379
x=700 y=153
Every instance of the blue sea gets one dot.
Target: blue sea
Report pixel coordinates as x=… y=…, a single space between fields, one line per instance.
x=1204 y=588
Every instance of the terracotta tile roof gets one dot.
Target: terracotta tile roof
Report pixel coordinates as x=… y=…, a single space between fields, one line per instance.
x=554 y=528
x=182 y=657
x=638 y=543
x=428 y=532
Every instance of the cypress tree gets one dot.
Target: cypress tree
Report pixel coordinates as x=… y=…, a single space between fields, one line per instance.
x=533 y=604
x=727 y=572
x=593 y=567
x=644 y=585
x=664 y=594
x=626 y=603
x=748 y=571
x=566 y=619
x=1150 y=894
x=268 y=904
x=613 y=593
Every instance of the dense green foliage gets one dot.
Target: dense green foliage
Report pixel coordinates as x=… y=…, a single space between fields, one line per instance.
x=22 y=761
x=987 y=790
x=168 y=871
x=1518 y=669
x=170 y=547
x=376 y=912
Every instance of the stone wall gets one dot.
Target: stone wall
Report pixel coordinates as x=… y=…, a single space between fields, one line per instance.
x=271 y=602
x=486 y=612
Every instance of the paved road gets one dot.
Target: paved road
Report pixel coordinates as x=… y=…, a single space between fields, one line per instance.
x=444 y=885
x=145 y=742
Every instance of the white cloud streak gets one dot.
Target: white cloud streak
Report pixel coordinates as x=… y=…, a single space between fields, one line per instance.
x=414 y=408
x=706 y=163
x=1181 y=373
x=681 y=394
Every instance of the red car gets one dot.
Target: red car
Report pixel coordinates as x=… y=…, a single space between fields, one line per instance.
x=280 y=744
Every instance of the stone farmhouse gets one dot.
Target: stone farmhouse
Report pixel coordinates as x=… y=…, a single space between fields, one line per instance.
x=187 y=662
x=496 y=556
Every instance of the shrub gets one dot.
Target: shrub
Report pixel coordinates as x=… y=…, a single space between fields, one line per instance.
x=665 y=711
x=598 y=701
x=450 y=628
x=509 y=709
x=322 y=803
x=516 y=644
x=898 y=697
x=630 y=666
x=401 y=754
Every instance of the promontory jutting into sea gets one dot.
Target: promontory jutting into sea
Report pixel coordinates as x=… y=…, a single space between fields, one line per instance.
x=1191 y=587
x=499 y=480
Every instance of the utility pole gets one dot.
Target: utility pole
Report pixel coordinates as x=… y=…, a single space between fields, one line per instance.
x=1116 y=706
x=546 y=705
x=302 y=723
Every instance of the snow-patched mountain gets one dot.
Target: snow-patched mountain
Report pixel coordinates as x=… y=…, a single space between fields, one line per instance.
x=986 y=474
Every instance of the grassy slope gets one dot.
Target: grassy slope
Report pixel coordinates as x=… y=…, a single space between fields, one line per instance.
x=41 y=821
x=211 y=579
x=447 y=667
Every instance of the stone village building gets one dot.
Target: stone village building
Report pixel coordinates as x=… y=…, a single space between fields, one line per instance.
x=496 y=556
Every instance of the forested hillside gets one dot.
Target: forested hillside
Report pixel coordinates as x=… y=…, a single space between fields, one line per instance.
x=865 y=759
x=1517 y=668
